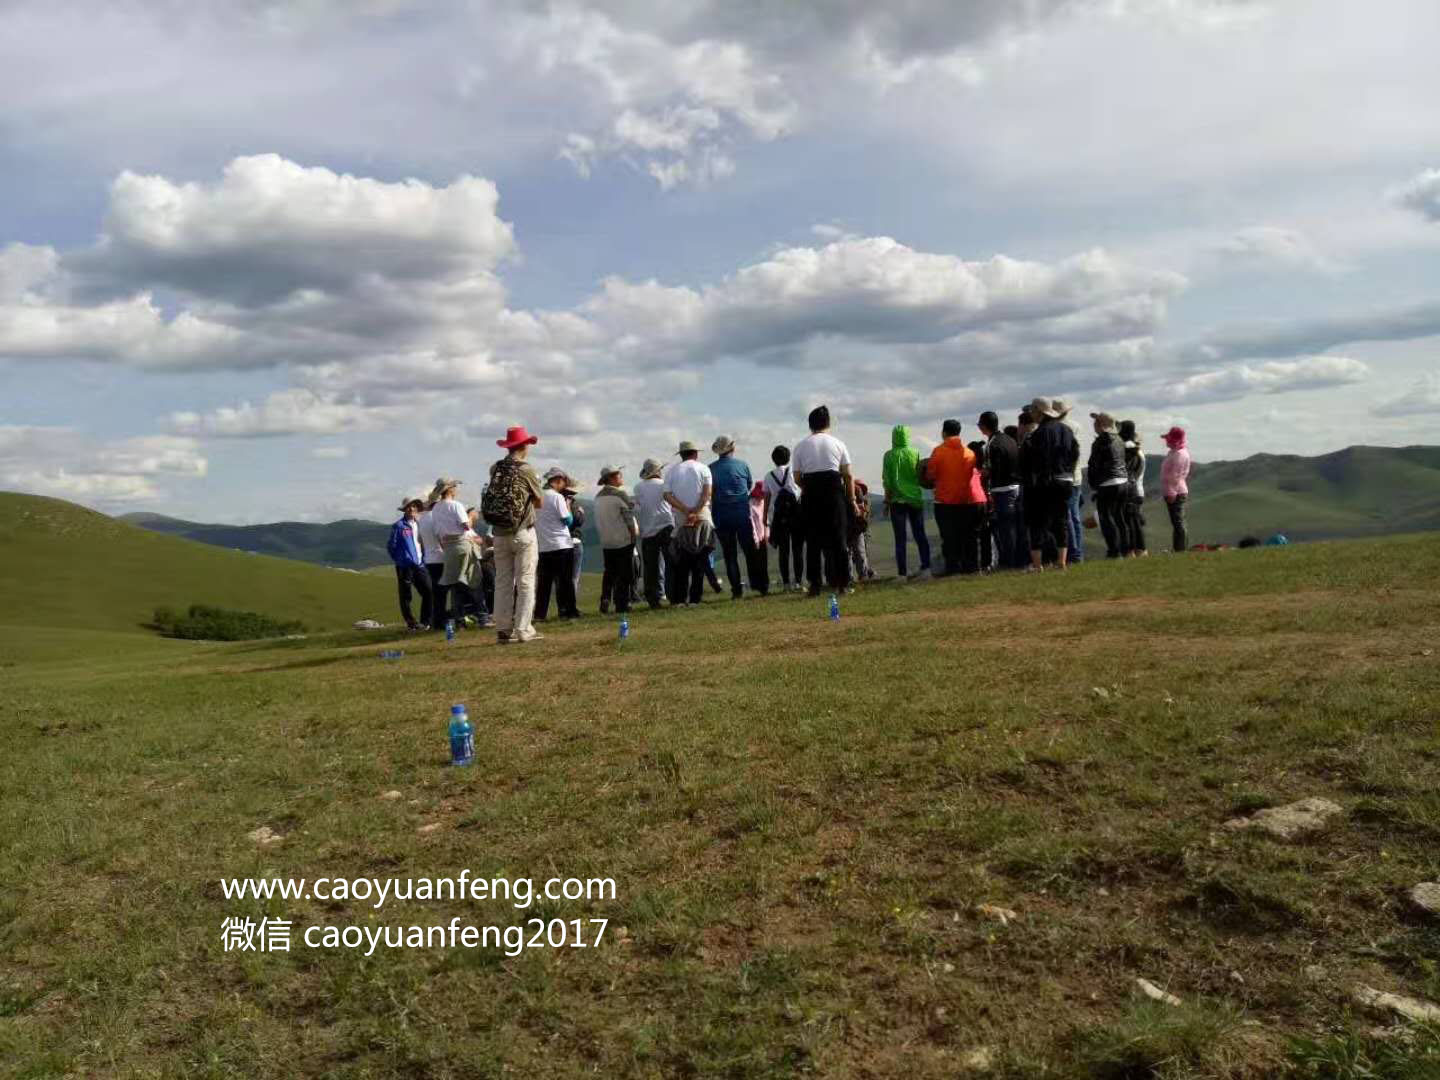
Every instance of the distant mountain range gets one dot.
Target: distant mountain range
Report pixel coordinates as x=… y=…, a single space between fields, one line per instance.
x=1358 y=491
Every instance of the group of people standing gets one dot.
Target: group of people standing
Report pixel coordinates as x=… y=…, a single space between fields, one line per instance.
x=1011 y=499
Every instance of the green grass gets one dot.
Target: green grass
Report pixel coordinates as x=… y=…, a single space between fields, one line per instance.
x=800 y=816
x=67 y=567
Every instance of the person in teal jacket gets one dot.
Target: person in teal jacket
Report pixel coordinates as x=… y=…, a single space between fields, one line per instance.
x=905 y=500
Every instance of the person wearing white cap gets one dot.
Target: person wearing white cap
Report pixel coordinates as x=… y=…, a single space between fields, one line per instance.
x=405 y=553
x=616 y=523
x=656 y=523
x=687 y=487
x=433 y=610
x=557 y=549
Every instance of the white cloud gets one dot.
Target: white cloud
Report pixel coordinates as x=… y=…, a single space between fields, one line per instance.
x=330 y=453
x=1421 y=194
x=1243 y=380
x=286 y=412
x=61 y=462
x=1273 y=245
x=1421 y=399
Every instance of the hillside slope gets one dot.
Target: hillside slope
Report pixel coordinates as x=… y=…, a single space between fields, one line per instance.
x=1358 y=491
x=63 y=566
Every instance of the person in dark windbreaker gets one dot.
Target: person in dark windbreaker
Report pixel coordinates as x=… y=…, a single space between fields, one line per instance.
x=1047 y=468
x=1109 y=481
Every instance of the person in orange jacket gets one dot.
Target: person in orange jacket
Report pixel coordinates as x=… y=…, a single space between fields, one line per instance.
x=959 y=501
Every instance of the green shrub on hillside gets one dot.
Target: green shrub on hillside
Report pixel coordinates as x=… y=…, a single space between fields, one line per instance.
x=204 y=623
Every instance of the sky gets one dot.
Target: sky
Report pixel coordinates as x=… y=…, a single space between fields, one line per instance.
x=268 y=260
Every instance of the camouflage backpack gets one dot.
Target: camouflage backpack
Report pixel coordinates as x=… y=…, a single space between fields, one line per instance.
x=507 y=497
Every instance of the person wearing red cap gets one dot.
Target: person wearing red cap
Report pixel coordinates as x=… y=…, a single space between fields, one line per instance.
x=509 y=504
x=1175 y=486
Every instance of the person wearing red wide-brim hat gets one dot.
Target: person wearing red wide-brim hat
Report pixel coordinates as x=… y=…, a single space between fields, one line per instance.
x=509 y=505
x=517 y=436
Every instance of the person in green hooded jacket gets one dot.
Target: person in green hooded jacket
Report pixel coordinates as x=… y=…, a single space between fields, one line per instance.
x=905 y=500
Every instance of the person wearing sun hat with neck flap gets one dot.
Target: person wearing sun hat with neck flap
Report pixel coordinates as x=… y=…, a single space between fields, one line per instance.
x=1047 y=466
x=508 y=506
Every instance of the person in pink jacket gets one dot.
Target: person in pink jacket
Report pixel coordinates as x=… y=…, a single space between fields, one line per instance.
x=1174 y=485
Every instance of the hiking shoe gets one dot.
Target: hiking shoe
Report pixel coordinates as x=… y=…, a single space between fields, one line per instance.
x=924 y=575
x=534 y=635
x=502 y=638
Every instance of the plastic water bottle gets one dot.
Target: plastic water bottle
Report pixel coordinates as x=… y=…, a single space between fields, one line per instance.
x=392 y=654
x=462 y=737
x=449 y=630
x=834 y=608
x=624 y=628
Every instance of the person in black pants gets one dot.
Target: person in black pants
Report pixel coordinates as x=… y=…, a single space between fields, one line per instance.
x=1047 y=464
x=405 y=553
x=783 y=514
x=1109 y=481
x=822 y=466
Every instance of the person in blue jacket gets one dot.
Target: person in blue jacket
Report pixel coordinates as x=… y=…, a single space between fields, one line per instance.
x=409 y=560
x=730 y=505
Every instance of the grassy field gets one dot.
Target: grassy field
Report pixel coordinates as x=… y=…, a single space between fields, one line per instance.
x=801 y=818
x=62 y=566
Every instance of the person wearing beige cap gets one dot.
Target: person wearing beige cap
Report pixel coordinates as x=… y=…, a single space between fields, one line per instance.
x=615 y=521
x=451 y=523
x=1047 y=468
x=1108 y=480
x=733 y=529
x=1074 y=527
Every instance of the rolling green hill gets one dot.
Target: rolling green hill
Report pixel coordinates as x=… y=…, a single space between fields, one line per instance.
x=351 y=543
x=63 y=567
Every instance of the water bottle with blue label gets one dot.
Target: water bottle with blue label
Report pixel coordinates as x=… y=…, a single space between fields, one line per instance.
x=462 y=737
x=392 y=654
x=624 y=628
x=834 y=608
x=449 y=630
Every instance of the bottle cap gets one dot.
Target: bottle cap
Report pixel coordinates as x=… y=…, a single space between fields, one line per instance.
x=456 y=710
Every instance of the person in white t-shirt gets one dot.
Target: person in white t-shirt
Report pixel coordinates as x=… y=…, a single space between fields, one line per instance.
x=450 y=521
x=783 y=518
x=435 y=607
x=821 y=464
x=557 y=549
x=688 y=487
x=656 y=520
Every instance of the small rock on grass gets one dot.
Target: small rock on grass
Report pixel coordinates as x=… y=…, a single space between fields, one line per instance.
x=390 y=796
x=1426 y=897
x=1290 y=821
x=1409 y=1008
x=1154 y=993
x=991 y=911
x=264 y=836
x=980 y=1059
x=426 y=829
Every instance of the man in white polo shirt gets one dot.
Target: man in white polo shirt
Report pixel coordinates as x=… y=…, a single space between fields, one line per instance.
x=688 y=486
x=821 y=464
